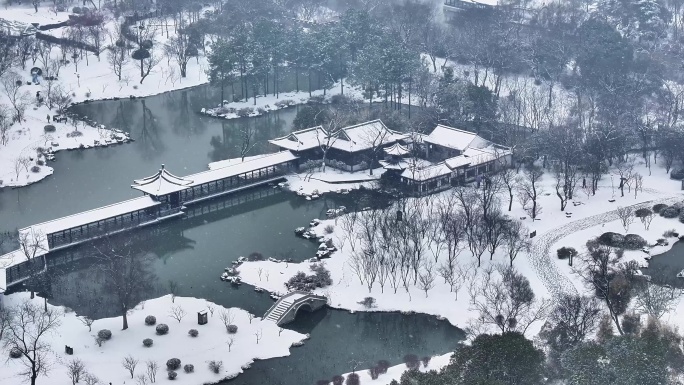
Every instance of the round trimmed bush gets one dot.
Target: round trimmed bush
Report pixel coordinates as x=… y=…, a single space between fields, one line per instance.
x=189 y=368
x=173 y=364
x=640 y=213
x=669 y=212
x=35 y=169
x=612 y=239
x=566 y=252
x=147 y=342
x=681 y=217
x=104 y=334
x=193 y=333
x=15 y=352
x=658 y=207
x=49 y=128
x=40 y=162
x=634 y=242
x=150 y=320
x=172 y=375
x=76 y=10
x=162 y=329
x=232 y=329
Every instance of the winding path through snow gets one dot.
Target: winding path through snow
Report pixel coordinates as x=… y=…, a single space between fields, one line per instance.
x=540 y=255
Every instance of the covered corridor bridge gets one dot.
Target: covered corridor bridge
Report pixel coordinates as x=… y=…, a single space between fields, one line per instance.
x=165 y=197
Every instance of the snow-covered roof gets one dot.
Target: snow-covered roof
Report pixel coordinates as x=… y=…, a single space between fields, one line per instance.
x=475 y=156
x=233 y=161
x=450 y=137
x=354 y=138
x=404 y=163
x=160 y=182
x=396 y=149
x=92 y=216
x=430 y=172
x=218 y=173
x=240 y=168
x=16 y=28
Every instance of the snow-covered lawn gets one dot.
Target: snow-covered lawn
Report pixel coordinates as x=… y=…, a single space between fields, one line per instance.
x=211 y=343
x=395 y=372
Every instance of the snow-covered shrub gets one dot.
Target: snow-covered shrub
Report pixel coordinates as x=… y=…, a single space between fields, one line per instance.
x=261 y=111
x=193 y=333
x=662 y=242
x=317 y=99
x=634 y=242
x=329 y=229
x=147 y=342
x=232 y=329
x=353 y=379
x=368 y=302
x=374 y=372
x=76 y=10
x=383 y=365
x=669 y=212
x=301 y=281
x=612 y=239
x=150 y=320
x=245 y=112
x=338 y=380
x=35 y=169
x=40 y=162
x=412 y=362
x=189 y=368
x=162 y=329
x=215 y=366
x=173 y=364
x=640 y=213
x=104 y=334
x=658 y=207
x=172 y=375
x=74 y=134
x=672 y=233
x=15 y=352
x=49 y=128
x=566 y=252
x=426 y=361
x=681 y=217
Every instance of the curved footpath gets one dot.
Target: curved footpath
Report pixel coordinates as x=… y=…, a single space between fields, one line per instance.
x=542 y=260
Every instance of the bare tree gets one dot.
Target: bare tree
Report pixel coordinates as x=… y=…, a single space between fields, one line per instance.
x=230 y=343
x=33 y=244
x=330 y=133
x=626 y=215
x=247 y=133
x=508 y=303
x=19 y=99
x=638 y=183
x=625 y=169
x=129 y=363
x=427 y=278
x=26 y=332
x=60 y=98
x=117 y=53
x=211 y=309
x=75 y=369
x=656 y=300
x=251 y=317
x=87 y=321
x=259 y=333
x=5 y=125
x=529 y=189
x=509 y=180
x=180 y=50
x=647 y=218
x=141 y=379
x=226 y=317
x=516 y=240
x=177 y=313
x=173 y=289
x=152 y=369
x=90 y=379
x=577 y=316
x=125 y=272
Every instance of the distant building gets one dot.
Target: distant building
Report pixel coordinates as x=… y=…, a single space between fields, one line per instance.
x=454 y=7
x=446 y=157
x=351 y=148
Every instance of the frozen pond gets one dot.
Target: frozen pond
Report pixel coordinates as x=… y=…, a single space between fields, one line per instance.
x=194 y=251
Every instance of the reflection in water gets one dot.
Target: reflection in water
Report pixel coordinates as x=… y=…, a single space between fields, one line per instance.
x=663 y=268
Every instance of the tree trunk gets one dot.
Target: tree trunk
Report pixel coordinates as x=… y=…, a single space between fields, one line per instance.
x=124 y=312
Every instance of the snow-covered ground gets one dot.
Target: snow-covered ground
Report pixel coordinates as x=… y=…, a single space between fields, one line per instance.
x=395 y=372
x=93 y=80
x=211 y=344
